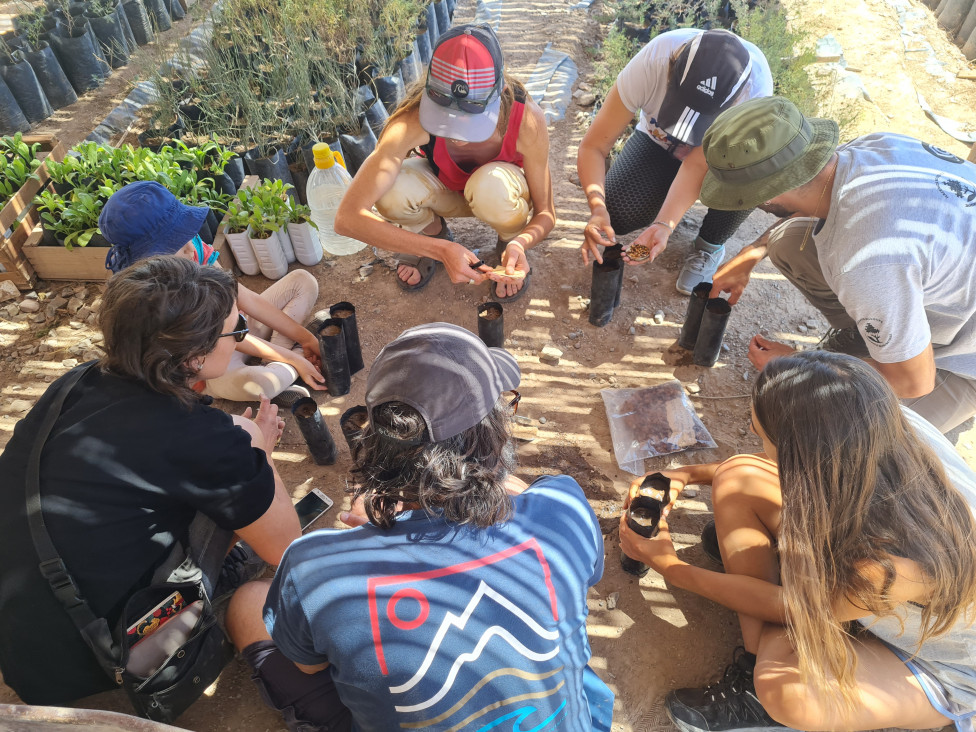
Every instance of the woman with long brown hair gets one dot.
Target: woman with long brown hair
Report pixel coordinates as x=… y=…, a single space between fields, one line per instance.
x=482 y=150
x=849 y=549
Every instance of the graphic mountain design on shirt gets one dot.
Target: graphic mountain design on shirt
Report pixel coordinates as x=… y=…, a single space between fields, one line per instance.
x=492 y=665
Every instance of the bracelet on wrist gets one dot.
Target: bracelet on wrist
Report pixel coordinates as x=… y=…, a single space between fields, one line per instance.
x=663 y=223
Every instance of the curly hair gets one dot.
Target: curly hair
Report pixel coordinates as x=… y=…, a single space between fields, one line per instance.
x=463 y=475
x=159 y=314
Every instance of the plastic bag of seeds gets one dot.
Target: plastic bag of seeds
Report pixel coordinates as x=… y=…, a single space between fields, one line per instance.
x=650 y=422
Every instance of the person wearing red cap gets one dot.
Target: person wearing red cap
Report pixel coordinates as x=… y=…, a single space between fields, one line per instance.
x=482 y=150
x=678 y=83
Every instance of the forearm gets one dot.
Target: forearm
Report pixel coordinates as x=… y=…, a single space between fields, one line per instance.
x=536 y=230
x=702 y=474
x=263 y=310
x=260 y=348
x=591 y=167
x=739 y=593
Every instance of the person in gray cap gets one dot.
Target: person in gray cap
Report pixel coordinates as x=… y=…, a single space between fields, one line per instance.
x=459 y=599
x=879 y=234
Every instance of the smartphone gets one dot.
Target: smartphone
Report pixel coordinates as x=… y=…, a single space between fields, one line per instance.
x=311 y=506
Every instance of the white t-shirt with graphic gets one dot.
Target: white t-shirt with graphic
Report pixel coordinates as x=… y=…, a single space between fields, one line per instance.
x=899 y=249
x=644 y=81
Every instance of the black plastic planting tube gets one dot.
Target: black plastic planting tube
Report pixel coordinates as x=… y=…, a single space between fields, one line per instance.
x=605 y=288
x=320 y=443
x=443 y=15
x=57 y=88
x=390 y=90
x=139 y=22
x=335 y=363
x=693 y=318
x=713 y=324
x=643 y=517
x=423 y=48
x=12 y=118
x=23 y=83
x=491 y=324
x=345 y=313
x=351 y=423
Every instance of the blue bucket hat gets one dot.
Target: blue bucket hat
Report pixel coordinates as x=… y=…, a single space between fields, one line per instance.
x=143 y=219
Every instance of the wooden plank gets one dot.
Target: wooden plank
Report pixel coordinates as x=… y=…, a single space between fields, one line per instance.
x=57 y=263
x=220 y=239
x=16 y=266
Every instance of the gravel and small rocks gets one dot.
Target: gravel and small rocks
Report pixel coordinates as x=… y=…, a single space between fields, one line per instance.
x=550 y=355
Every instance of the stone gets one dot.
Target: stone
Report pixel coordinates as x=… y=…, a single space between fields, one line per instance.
x=743 y=431
x=50 y=311
x=75 y=304
x=801 y=328
x=77 y=325
x=584 y=86
x=550 y=355
x=542 y=420
x=92 y=355
x=69 y=363
x=96 y=303
x=577 y=345
x=725 y=347
x=39 y=318
x=57 y=302
x=8 y=291
x=612 y=349
x=20 y=405
x=84 y=313
x=31 y=295
x=572 y=336
x=612 y=599
x=91 y=319
x=12 y=310
x=632 y=330
x=633 y=278
x=693 y=388
x=612 y=379
x=689 y=493
x=745 y=376
x=67 y=292
x=812 y=324
x=30 y=305
x=586 y=99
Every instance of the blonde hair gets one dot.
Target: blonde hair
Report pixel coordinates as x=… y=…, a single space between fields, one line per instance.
x=414 y=94
x=859 y=487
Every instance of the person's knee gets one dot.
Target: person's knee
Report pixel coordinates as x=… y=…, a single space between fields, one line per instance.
x=497 y=192
x=245 y=614
x=786 y=239
x=304 y=282
x=787 y=699
x=405 y=197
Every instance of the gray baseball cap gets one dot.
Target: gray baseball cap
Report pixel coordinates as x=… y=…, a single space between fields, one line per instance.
x=444 y=372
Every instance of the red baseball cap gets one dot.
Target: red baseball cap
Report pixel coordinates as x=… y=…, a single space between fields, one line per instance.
x=462 y=96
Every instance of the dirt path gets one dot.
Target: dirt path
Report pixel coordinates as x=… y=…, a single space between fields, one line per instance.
x=654 y=638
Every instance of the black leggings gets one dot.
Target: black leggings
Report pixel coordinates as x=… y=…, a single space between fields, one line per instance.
x=638 y=182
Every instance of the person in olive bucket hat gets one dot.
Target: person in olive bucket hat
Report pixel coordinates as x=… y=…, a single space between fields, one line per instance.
x=879 y=234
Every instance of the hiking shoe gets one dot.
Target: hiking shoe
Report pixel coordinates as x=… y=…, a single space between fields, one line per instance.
x=844 y=340
x=289 y=395
x=709 y=543
x=730 y=704
x=317 y=321
x=240 y=565
x=699 y=267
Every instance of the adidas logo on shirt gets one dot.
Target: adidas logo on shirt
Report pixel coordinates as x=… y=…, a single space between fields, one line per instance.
x=707 y=86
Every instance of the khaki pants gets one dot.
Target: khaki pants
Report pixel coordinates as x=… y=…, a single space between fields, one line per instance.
x=496 y=193
x=949 y=404
x=294 y=295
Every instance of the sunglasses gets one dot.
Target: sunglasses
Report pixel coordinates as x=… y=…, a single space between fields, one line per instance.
x=240 y=331
x=471 y=106
x=515 y=401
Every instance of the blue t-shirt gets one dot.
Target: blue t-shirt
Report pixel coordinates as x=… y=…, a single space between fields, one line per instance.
x=435 y=626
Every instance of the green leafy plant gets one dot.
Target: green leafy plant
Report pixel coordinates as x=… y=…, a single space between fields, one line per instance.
x=268 y=207
x=18 y=163
x=300 y=214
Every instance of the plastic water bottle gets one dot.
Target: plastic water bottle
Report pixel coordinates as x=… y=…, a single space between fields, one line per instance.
x=326 y=186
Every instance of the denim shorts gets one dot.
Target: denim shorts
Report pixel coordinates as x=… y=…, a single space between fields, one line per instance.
x=307 y=702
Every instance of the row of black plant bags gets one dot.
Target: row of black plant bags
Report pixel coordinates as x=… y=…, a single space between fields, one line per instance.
x=70 y=49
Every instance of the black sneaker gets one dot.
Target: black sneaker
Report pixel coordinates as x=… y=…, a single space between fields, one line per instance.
x=289 y=395
x=709 y=543
x=731 y=704
x=242 y=564
x=844 y=340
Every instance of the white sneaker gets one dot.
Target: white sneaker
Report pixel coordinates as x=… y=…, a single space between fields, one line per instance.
x=699 y=267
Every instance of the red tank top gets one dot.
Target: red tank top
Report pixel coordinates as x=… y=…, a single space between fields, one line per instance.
x=451 y=174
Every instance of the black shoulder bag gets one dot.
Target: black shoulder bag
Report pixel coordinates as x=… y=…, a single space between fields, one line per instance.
x=186 y=649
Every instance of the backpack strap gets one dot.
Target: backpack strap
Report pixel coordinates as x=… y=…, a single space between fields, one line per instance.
x=94 y=630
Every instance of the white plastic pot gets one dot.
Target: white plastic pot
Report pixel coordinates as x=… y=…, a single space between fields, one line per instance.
x=270 y=255
x=286 y=244
x=305 y=240
x=240 y=245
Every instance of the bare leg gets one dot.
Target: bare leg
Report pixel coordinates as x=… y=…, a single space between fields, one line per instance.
x=245 y=614
x=747 y=501
x=888 y=693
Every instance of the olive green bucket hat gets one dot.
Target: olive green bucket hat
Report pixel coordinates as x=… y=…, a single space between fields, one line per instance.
x=760 y=149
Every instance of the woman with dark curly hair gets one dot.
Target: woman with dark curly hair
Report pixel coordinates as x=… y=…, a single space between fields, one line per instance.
x=460 y=599
x=849 y=556
x=137 y=466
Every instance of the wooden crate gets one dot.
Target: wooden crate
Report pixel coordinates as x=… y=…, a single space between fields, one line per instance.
x=19 y=217
x=58 y=263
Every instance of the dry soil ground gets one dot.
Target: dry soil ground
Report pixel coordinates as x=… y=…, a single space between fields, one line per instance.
x=650 y=638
